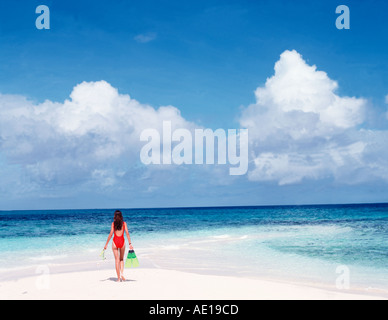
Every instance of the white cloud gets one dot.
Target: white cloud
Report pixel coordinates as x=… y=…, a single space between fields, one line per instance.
x=145 y=37
x=293 y=167
x=300 y=102
x=299 y=128
x=92 y=135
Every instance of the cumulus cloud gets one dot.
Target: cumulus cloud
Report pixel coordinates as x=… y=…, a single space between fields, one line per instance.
x=92 y=135
x=300 y=128
x=300 y=102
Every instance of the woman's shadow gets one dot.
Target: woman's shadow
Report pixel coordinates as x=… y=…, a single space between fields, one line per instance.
x=114 y=279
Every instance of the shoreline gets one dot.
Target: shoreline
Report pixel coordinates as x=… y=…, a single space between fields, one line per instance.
x=164 y=284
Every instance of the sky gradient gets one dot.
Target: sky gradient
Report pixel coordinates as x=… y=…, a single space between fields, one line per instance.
x=74 y=99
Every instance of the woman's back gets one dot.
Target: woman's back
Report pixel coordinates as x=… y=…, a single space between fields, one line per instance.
x=120 y=232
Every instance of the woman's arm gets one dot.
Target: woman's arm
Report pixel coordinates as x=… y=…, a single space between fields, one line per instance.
x=128 y=237
x=110 y=236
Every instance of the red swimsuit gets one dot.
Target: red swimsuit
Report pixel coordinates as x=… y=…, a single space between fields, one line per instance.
x=119 y=240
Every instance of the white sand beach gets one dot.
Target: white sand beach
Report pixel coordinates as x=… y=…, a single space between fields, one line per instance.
x=161 y=284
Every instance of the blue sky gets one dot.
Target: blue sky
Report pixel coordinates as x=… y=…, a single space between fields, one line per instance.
x=205 y=58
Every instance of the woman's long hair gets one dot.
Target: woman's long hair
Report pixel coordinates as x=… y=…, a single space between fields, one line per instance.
x=118 y=220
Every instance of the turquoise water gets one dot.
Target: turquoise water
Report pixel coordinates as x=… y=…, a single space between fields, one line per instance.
x=304 y=243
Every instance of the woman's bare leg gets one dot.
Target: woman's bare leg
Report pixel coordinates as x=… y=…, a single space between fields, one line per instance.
x=117 y=260
x=122 y=253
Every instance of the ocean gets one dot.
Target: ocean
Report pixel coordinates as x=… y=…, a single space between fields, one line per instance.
x=339 y=246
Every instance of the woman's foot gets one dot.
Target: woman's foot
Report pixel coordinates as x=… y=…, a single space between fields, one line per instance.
x=122 y=278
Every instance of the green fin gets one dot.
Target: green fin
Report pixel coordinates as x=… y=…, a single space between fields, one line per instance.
x=131 y=261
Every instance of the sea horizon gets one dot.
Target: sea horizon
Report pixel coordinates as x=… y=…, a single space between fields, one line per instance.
x=210 y=207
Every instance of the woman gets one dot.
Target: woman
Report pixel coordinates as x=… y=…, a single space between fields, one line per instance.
x=118 y=245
